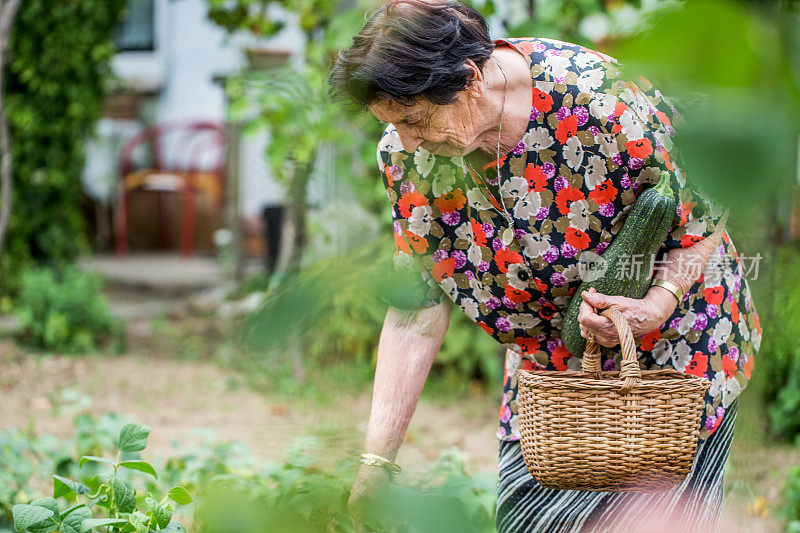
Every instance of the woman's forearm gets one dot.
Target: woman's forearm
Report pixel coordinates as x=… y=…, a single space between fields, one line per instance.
x=682 y=266
x=408 y=345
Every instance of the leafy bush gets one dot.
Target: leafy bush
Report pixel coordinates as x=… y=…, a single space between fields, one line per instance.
x=64 y=311
x=780 y=350
x=106 y=499
x=791 y=501
x=234 y=492
x=54 y=86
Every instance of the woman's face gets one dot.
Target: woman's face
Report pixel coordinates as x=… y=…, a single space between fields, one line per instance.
x=447 y=130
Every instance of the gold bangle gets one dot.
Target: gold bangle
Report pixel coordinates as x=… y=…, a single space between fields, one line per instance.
x=671 y=287
x=376 y=460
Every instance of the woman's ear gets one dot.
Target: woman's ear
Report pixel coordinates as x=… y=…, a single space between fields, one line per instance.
x=475 y=84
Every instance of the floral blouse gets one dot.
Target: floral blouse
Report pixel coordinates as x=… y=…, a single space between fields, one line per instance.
x=594 y=142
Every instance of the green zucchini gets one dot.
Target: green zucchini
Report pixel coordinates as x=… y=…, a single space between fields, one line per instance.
x=642 y=234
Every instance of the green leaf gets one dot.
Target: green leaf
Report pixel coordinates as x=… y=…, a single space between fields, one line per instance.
x=133 y=438
x=73 y=522
x=87 y=458
x=124 y=496
x=27 y=517
x=47 y=503
x=63 y=486
x=142 y=466
x=92 y=523
x=72 y=510
x=180 y=495
x=162 y=513
x=175 y=527
x=140 y=521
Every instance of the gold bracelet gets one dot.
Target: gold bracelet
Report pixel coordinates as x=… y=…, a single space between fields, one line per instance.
x=671 y=287
x=376 y=460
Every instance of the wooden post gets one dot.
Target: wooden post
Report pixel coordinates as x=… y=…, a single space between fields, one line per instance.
x=232 y=217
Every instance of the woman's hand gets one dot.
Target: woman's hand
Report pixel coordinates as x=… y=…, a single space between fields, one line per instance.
x=643 y=315
x=371 y=483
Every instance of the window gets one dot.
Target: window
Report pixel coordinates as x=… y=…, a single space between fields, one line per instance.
x=136 y=31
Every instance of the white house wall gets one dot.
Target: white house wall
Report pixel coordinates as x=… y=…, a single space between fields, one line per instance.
x=190 y=52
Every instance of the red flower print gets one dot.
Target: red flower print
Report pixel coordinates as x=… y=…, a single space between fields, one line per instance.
x=389 y=176
x=505 y=257
x=547 y=311
x=527 y=364
x=565 y=197
x=748 y=367
x=604 y=193
x=734 y=312
x=571 y=292
x=663 y=118
x=542 y=101
x=526 y=47
x=714 y=426
x=516 y=295
x=617 y=128
x=443 y=269
x=537 y=179
x=728 y=366
x=686 y=210
x=486 y=328
x=639 y=148
x=567 y=128
x=698 y=365
x=527 y=345
x=619 y=108
x=477 y=231
x=690 y=240
x=451 y=201
x=577 y=238
x=418 y=243
x=559 y=357
x=667 y=160
x=714 y=295
x=400 y=244
x=758 y=322
x=409 y=201
x=649 y=340
x=540 y=285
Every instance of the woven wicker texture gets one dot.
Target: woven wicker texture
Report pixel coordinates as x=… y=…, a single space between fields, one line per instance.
x=623 y=431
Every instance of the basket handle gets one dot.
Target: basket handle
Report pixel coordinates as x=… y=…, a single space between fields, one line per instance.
x=630 y=371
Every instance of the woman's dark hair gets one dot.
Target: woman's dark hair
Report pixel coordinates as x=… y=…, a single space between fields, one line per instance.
x=411 y=48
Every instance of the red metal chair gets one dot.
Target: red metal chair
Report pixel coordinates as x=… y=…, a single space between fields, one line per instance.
x=186 y=157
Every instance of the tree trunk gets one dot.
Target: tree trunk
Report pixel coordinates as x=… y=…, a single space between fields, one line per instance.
x=298 y=207
x=8 y=12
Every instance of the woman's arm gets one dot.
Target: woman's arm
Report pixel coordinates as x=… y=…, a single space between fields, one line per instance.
x=682 y=266
x=408 y=345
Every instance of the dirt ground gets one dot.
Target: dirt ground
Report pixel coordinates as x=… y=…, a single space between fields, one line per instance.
x=174 y=397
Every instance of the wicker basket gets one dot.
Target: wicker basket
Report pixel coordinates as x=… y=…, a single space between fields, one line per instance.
x=624 y=431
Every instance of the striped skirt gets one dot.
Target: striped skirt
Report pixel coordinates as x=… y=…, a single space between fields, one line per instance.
x=693 y=505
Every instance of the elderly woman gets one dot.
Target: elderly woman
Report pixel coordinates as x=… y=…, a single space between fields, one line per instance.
x=506 y=162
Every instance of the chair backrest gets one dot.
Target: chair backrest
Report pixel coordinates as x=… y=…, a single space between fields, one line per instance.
x=188 y=146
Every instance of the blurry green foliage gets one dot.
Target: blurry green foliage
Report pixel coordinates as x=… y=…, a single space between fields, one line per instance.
x=104 y=498
x=791 y=501
x=732 y=71
x=336 y=306
x=64 y=311
x=233 y=491
x=296 y=495
x=780 y=352
x=54 y=87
